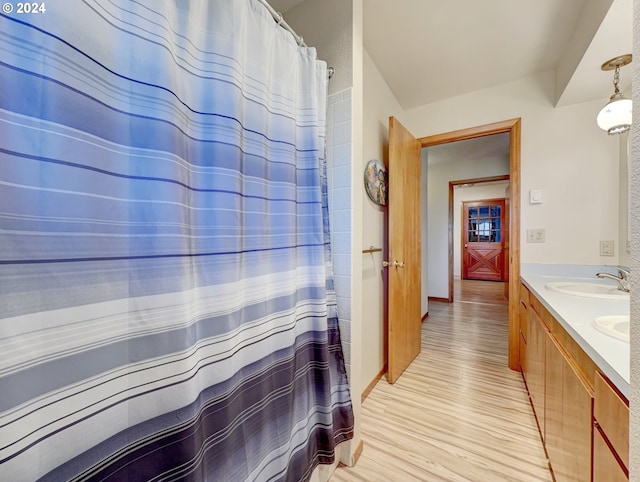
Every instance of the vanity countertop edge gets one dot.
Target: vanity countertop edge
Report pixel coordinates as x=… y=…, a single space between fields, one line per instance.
x=576 y=314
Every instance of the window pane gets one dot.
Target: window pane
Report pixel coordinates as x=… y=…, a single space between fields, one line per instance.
x=473 y=213
x=495 y=238
x=495 y=223
x=473 y=237
x=495 y=211
x=484 y=211
x=484 y=230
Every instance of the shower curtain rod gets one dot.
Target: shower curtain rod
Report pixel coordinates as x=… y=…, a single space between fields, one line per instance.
x=277 y=16
x=279 y=19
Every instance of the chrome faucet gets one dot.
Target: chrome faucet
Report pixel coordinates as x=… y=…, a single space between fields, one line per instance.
x=622 y=279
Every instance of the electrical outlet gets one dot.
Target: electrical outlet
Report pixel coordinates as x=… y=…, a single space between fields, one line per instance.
x=606 y=248
x=535 y=235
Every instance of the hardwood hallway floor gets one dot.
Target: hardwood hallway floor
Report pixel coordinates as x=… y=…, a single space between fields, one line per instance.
x=458 y=413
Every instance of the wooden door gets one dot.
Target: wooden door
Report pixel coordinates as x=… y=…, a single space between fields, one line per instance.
x=507 y=220
x=404 y=250
x=483 y=238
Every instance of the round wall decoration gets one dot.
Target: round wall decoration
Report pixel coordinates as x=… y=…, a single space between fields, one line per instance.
x=375 y=181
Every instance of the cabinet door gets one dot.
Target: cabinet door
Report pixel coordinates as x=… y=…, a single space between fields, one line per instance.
x=605 y=466
x=553 y=405
x=611 y=411
x=577 y=415
x=569 y=408
x=522 y=347
x=522 y=339
x=535 y=365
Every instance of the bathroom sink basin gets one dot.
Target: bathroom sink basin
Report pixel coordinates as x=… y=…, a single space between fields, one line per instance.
x=591 y=290
x=616 y=326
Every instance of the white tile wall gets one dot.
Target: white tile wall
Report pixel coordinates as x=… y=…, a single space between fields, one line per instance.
x=340 y=210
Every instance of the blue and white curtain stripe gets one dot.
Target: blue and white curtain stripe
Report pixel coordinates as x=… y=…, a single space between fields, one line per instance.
x=166 y=304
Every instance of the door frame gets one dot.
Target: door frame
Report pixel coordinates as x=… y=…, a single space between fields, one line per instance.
x=452 y=184
x=513 y=127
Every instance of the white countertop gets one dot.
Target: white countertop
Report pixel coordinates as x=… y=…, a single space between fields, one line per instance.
x=576 y=314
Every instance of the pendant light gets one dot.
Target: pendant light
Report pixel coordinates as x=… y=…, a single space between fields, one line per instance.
x=615 y=116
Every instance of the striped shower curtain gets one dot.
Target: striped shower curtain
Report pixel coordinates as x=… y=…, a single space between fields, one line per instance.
x=166 y=302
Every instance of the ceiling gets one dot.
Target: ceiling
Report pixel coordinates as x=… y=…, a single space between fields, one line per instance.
x=429 y=50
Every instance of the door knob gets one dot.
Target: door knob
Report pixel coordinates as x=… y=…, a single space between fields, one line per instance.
x=395 y=263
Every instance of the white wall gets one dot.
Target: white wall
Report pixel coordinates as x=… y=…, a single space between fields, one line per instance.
x=379 y=104
x=624 y=256
x=357 y=145
x=424 y=232
x=327 y=26
x=438 y=213
x=563 y=153
x=479 y=192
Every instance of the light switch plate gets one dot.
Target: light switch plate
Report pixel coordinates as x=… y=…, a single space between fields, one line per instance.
x=535 y=196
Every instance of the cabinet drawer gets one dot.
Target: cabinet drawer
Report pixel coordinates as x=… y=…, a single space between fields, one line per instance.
x=605 y=466
x=611 y=412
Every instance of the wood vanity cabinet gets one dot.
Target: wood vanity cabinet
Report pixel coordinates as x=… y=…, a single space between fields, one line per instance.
x=606 y=467
x=559 y=378
x=522 y=345
x=568 y=403
x=535 y=363
x=610 y=433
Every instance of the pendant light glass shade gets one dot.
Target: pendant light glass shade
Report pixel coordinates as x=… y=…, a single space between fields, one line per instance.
x=615 y=117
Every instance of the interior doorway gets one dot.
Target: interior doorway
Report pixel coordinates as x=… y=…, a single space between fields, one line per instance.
x=512 y=127
x=483 y=237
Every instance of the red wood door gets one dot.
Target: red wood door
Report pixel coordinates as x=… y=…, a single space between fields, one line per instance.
x=483 y=240
x=507 y=210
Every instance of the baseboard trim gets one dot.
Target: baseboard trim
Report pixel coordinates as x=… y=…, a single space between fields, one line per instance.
x=358 y=452
x=435 y=298
x=373 y=383
x=425 y=316
x=356 y=456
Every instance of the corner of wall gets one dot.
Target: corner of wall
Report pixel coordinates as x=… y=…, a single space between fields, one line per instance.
x=634 y=428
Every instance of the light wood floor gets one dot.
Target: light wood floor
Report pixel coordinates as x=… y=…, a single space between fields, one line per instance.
x=458 y=413
x=473 y=291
